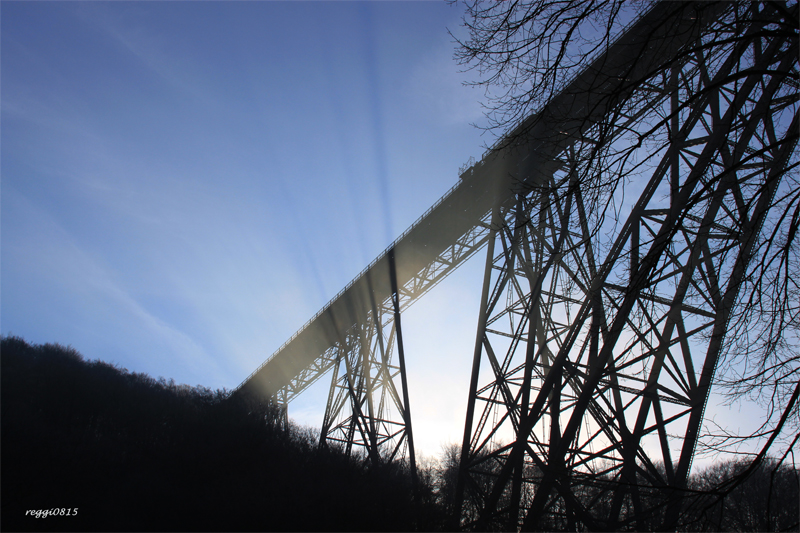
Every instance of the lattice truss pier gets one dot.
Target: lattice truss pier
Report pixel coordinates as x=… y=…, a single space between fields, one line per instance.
x=621 y=223
x=603 y=316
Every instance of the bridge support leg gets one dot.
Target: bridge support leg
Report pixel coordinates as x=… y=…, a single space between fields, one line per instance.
x=367 y=412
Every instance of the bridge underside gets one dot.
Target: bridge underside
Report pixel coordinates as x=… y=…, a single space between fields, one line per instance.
x=602 y=320
x=620 y=223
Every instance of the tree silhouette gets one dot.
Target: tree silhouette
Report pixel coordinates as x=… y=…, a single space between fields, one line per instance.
x=134 y=453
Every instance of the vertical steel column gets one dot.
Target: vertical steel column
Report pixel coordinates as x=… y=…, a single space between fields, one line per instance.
x=476 y=365
x=403 y=377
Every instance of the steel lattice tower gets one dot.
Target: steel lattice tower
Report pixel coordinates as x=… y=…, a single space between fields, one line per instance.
x=599 y=334
x=603 y=316
x=365 y=380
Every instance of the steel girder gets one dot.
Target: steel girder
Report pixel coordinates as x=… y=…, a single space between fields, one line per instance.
x=599 y=334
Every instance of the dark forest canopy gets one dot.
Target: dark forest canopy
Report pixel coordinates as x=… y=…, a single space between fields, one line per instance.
x=130 y=452
x=134 y=453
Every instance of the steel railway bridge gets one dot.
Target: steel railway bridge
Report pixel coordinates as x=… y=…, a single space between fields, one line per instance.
x=602 y=320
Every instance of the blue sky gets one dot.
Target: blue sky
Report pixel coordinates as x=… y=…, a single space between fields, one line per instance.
x=185 y=184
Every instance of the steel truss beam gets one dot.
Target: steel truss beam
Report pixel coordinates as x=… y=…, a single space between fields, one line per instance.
x=599 y=336
x=441 y=240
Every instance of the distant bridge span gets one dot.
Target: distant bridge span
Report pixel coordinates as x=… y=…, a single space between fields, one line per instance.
x=598 y=337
